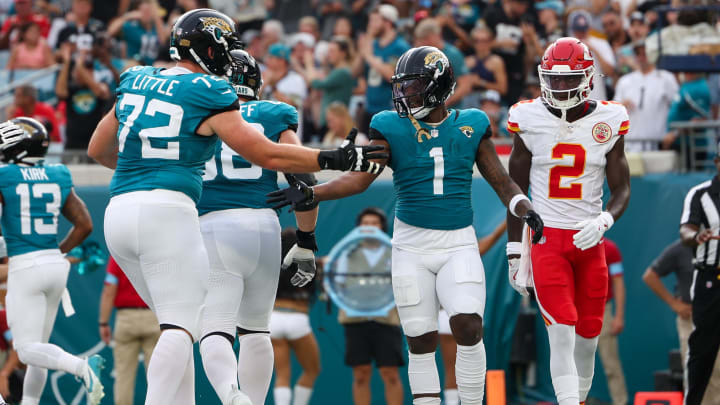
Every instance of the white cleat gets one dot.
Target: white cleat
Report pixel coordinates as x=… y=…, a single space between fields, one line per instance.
x=92 y=382
x=237 y=397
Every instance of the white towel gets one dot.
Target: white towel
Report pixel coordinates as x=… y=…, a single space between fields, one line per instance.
x=523 y=278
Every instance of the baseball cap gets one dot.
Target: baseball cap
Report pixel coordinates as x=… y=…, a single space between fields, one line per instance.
x=637 y=16
x=555 y=5
x=388 y=12
x=249 y=36
x=279 y=50
x=579 y=21
x=302 y=37
x=490 y=95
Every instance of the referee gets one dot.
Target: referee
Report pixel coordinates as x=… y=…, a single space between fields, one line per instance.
x=700 y=229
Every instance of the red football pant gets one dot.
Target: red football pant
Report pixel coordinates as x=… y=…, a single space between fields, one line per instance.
x=570 y=284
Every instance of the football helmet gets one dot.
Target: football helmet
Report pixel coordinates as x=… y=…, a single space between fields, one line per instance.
x=245 y=77
x=566 y=73
x=423 y=80
x=22 y=138
x=206 y=37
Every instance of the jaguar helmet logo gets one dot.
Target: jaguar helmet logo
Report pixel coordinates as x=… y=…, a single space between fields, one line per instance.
x=216 y=26
x=436 y=59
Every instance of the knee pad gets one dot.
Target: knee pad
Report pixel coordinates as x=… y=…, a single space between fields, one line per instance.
x=418 y=326
x=466 y=304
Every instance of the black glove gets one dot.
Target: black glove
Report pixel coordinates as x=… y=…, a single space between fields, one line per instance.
x=535 y=223
x=298 y=193
x=350 y=157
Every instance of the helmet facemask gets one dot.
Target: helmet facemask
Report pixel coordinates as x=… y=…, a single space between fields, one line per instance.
x=564 y=89
x=412 y=95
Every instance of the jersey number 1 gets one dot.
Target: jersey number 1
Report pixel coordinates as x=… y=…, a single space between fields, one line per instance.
x=437 y=155
x=574 y=190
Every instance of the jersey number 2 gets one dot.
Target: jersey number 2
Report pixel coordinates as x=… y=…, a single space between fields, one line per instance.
x=574 y=190
x=52 y=207
x=172 y=130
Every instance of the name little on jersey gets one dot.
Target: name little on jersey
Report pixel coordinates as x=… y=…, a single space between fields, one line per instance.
x=34 y=173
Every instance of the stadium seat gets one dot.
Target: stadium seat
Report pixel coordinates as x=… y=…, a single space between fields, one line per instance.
x=658 y=398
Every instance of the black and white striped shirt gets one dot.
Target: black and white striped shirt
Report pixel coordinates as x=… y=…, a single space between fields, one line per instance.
x=702 y=208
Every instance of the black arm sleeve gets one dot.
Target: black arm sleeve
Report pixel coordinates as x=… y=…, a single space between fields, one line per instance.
x=374 y=134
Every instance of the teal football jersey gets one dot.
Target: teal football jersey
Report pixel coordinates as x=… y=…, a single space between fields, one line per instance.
x=159 y=114
x=33 y=198
x=432 y=174
x=231 y=181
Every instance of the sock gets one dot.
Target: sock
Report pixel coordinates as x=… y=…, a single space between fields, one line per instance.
x=49 y=356
x=470 y=373
x=255 y=366
x=220 y=366
x=168 y=366
x=301 y=395
x=450 y=397
x=585 y=363
x=562 y=364
x=282 y=395
x=33 y=385
x=423 y=376
x=185 y=394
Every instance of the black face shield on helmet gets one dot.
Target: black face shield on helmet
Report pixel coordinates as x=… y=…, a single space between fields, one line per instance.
x=423 y=80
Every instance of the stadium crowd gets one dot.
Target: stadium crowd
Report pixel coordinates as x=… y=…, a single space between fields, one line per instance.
x=333 y=59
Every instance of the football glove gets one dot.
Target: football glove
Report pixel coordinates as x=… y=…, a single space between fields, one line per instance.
x=350 y=157
x=535 y=223
x=592 y=230
x=297 y=194
x=302 y=254
x=513 y=268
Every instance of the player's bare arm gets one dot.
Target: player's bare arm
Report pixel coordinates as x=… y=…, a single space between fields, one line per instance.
x=618 y=178
x=510 y=194
x=77 y=213
x=519 y=168
x=103 y=146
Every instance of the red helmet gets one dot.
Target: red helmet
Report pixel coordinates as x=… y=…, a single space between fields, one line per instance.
x=566 y=73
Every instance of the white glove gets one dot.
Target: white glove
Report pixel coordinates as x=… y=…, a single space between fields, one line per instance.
x=305 y=260
x=10 y=134
x=592 y=230
x=513 y=268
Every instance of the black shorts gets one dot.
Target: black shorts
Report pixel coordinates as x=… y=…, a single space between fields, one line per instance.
x=368 y=341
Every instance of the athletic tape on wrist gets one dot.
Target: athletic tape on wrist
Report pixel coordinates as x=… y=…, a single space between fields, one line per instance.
x=513 y=248
x=515 y=201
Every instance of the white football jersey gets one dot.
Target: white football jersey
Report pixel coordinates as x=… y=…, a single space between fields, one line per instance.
x=568 y=158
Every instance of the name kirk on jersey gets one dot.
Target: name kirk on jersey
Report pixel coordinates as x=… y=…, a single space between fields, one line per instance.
x=34 y=173
x=162 y=86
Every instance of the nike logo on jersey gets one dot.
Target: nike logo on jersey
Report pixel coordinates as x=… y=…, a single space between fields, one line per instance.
x=34 y=173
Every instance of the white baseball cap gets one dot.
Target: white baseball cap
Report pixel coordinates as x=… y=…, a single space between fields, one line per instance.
x=388 y=12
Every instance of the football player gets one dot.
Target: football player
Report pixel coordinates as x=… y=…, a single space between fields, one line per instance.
x=565 y=145
x=435 y=259
x=245 y=266
x=32 y=196
x=158 y=137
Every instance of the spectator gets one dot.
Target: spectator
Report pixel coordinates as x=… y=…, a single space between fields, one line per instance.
x=378 y=338
x=81 y=32
x=11 y=372
x=714 y=85
x=380 y=48
x=690 y=103
x=272 y=32
x=339 y=124
x=253 y=43
x=290 y=330
x=23 y=14
x=31 y=51
x=286 y=12
x=678 y=259
x=142 y=31
x=638 y=30
x=343 y=27
x=136 y=330
x=506 y=18
x=282 y=83
x=429 y=33
x=490 y=103
x=84 y=95
x=338 y=85
x=487 y=70
x=618 y=38
x=613 y=325
x=602 y=53
x=550 y=13
x=26 y=105
x=647 y=94
x=248 y=14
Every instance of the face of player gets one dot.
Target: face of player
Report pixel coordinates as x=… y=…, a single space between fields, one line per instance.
x=411 y=91
x=564 y=86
